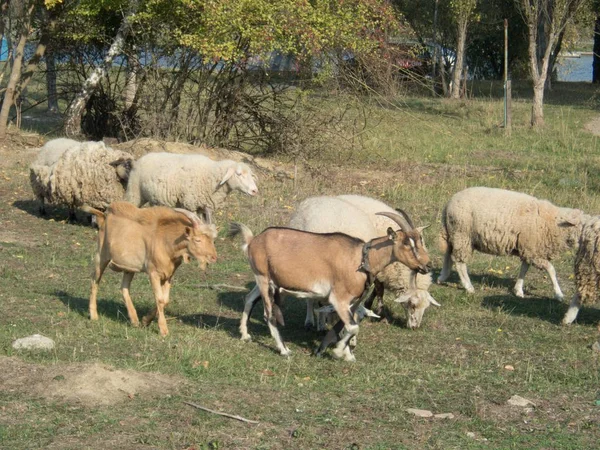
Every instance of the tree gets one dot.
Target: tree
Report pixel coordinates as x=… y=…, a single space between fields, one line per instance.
x=463 y=12
x=546 y=20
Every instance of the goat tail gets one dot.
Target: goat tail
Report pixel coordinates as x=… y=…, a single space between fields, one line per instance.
x=236 y=228
x=100 y=216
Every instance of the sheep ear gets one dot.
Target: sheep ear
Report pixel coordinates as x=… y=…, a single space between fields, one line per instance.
x=391 y=234
x=227 y=176
x=432 y=300
x=420 y=229
x=570 y=218
x=403 y=298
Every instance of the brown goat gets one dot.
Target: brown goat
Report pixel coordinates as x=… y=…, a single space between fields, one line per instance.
x=152 y=240
x=332 y=266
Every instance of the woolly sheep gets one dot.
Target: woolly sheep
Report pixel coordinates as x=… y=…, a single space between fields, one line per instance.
x=88 y=174
x=194 y=182
x=501 y=222
x=356 y=215
x=587 y=269
x=39 y=171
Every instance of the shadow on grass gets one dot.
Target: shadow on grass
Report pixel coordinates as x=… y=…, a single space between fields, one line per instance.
x=548 y=309
x=478 y=280
x=106 y=307
x=56 y=213
x=294 y=311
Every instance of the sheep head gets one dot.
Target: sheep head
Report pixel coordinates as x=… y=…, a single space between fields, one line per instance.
x=240 y=177
x=415 y=302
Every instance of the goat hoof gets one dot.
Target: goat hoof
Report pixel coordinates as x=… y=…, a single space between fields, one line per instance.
x=286 y=352
x=350 y=358
x=135 y=324
x=246 y=338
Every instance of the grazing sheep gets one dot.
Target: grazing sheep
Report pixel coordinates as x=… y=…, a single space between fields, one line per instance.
x=194 y=182
x=357 y=216
x=500 y=222
x=84 y=173
x=587 y=269
x=39 y=171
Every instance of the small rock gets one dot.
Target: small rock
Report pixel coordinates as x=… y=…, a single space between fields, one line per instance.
x=420 y=412
x=517 y=400
x=509 y=367
x=471 y=434
x=35 y=342
x=444 y=416
x=596 y=346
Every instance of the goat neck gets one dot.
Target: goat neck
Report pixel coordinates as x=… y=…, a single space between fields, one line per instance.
x=378 y=255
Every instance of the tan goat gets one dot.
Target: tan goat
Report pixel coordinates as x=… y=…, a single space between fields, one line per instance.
x=151 y=240
x=332 y=266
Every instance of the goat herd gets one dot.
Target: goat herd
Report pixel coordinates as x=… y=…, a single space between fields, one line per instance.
x=344 y=250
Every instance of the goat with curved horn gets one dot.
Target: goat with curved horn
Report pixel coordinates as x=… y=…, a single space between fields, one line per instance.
x=401 y=219
x=196 y=221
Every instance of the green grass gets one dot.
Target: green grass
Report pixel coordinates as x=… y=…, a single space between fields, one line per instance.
x=418 y=152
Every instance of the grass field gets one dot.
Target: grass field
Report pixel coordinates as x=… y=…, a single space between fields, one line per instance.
x=468 y=358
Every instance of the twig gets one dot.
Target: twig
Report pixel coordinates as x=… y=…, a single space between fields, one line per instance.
x=222 y=287
x=231 y=416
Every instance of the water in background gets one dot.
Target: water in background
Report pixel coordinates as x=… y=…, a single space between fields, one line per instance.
x=575 y=69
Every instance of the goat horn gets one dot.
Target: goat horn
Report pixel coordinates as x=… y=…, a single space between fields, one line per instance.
x=190 y=215
x=402 y=220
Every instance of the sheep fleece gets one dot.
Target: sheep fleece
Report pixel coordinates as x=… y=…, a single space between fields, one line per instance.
x=501 y=222
x=587 y=262
x=83 y=176
x=184 y=181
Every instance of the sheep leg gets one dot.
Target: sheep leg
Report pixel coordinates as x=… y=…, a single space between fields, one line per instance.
x=72 y=216
x=161 y=302
x=447 y=267
x=547 y=265
x=573 y=310
x=518 y=289
x=131 y=312
x=263 y=286
x=309 y=321
x=250 y=302
x=42 y=207
x=461 y=268
x=99 y=268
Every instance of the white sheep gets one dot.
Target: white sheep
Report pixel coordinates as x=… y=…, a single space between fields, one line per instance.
x=357 y=216
x=501 y=222
x=194 y=182
x=587 y=269
x=88 y=174
x=39 y=171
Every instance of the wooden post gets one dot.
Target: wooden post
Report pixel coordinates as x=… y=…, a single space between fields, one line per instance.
x=507 y=84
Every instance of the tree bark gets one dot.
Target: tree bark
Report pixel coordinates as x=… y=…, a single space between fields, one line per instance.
x=596 y=60
x=460 y=57
x=75 y=111
x=51 y=80
x=15 y=74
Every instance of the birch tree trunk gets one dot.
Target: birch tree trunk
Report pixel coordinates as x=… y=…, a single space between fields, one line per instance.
x=51 y=80
x=75 y=111
x=460 y=58
x=15 y=74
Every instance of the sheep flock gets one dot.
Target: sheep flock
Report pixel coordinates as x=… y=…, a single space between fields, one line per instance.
x=343 y=252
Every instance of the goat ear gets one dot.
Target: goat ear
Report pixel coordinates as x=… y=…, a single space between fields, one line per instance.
x=188 y=232
x=227 y=175
x=391 y=234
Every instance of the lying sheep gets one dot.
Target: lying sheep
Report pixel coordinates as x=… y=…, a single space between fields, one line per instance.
x=357 y=216
x=194 y=182
x=39 y=171
x=84 y=173
x=89 y=174
x=587 y=269
x=500 y=222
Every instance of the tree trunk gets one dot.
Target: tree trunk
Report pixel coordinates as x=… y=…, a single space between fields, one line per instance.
x=51 y=80
x=15 y=74
x=537 y=110
x=460 y=57
x=596 y=61
x=75 y=111
x=131 y=83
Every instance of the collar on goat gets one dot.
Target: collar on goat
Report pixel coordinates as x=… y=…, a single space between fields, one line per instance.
x=364 y=262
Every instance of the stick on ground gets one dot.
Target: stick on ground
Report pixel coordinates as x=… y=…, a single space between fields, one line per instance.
x=231 y=416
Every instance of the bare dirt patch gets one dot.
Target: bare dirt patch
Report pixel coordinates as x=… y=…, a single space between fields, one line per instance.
x=87 y=384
